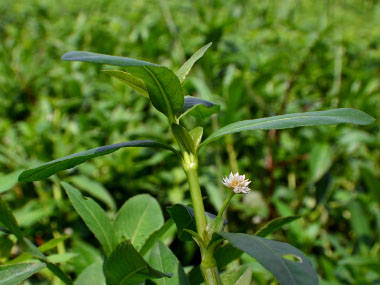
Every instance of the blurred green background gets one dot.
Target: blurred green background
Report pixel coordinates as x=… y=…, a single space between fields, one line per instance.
x=267 y=58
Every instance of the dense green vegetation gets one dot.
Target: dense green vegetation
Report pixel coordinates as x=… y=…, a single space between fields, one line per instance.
x=267 y=58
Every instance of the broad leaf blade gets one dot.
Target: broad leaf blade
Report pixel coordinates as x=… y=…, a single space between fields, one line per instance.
x=319 y=118
x=9 y=180
x=138 y=218
x=275 y=224
x=271 y=255
x=126 y=266
x=52 y=167
x=163 y=259
x=186 y=67
x=132 y=81
x=93 y=275
x=163 y=86
x=94 y=217
x=16 y=273
x=197 y=107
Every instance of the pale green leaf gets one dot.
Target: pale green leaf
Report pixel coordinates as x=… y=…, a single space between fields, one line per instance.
x=16 y=273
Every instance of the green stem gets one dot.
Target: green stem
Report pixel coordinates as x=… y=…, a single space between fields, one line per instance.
x=226 y=202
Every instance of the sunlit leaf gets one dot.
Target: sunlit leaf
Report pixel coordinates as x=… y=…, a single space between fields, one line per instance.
x=16 y=273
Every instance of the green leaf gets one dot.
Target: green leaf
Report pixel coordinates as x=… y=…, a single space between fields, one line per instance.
x=155 y=236
x=5 y=247
x=164 y=88
x=271 y=255
x=135 y=83
x=186 y=67
x=274 y=225
x=125 y=266
x=138 y=218
x=93 y=275
x=8 y=221
x=196 y=134
x=8 y=181
x=319 y=118
x=94 y=217
x=199 y=108
x=320 y=160
x=14 y=274
x=184 y=138
x=162 y=258
x=183 y=220
x=240 y=276
x=95 y=189
x=47 y=169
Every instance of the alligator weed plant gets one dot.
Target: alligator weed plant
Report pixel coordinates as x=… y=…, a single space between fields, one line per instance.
x=133 y=252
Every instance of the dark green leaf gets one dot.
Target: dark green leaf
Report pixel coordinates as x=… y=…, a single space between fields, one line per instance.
x=163 y=259
x=135 y=83
x=94 y=217
x=8 y=181
x=8 y=221
x=183 y=220
x=125 y=266
x=5 y=247
x=138 y=218
x=198 y=108
x=16 y=273
x=322 y=188
x=330 y=117
x=164 y=88
x=184 y=138
x=155 y=236
x=271 y=255
x=52 y=167
x=186 y=67
x=275 y=224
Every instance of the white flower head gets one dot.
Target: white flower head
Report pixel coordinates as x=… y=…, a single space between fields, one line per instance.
x=237 y=182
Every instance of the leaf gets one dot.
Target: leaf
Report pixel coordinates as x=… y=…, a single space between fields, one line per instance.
x=8 y=221
x=275 y=224
x=198 y=108
x=320 y=160
x=155 y=236
x=135 y=83
x=319 y=118
x=138 y=218
x=196 y=134
x=164 y=88
x=322 y=188
x=186 y=67
x=125 y=266
x=95 y=189
x=5 y=247
x=8 y=181
x=93 y=275
x=14 y=274
x=47 y=169
x=94 y=217
x=184 y=138
x=163 y=259
x=270 y=254
x=240 y=276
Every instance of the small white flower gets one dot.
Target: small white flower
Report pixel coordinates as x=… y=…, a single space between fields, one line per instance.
x=237 y=182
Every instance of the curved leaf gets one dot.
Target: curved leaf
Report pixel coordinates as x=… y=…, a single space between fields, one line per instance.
x=94 y=217
x=52 y=167
x=186 y=67
x=138 y=218
x=198 y=108
x=16 y=273
x=163 y=86
x=330 y=117
x=271 y=255
x=132 y=81
x=125 y=266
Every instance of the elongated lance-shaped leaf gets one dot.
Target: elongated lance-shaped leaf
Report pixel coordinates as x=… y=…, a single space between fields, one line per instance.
x=16 y=273
x=186 y=67
x=126 y=266
x=193 y=102
x=132 y=81
x=94 y=217
x=272 y=255
x=275 y=224
x=164 y=89
x=47 y=169
x=319 y=118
